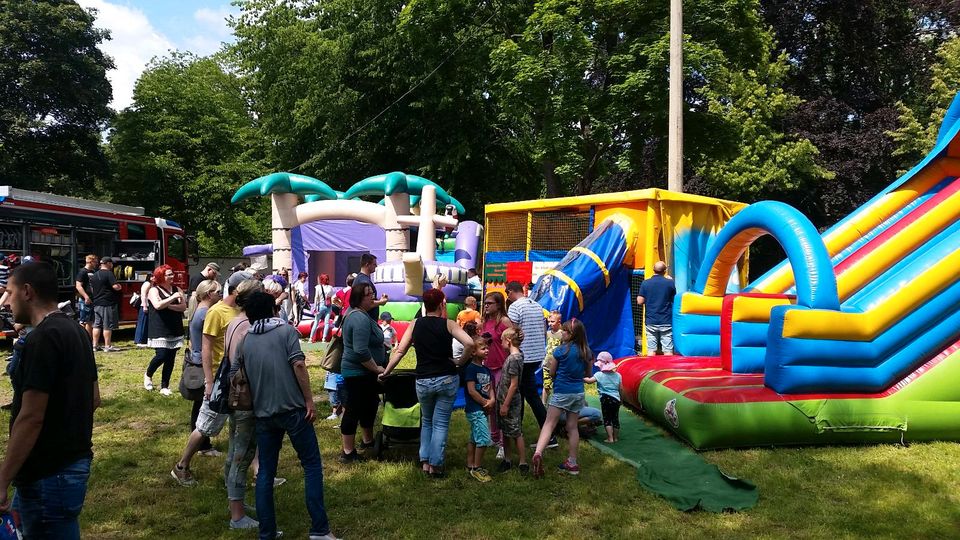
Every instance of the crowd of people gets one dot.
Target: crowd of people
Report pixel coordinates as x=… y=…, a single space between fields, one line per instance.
x=247 y=325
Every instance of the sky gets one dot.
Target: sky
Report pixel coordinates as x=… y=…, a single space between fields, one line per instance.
x=143 y=29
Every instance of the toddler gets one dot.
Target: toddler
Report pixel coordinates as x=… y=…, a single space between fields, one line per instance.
x=608 y=384
x=389 y=333
x=332 y=384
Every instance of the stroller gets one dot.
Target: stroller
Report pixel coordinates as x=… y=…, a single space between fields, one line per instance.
x=401 y=413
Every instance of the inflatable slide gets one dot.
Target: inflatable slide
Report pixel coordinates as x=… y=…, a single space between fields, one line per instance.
x=854 y=338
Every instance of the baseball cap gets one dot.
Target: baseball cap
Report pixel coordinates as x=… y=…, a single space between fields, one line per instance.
x=105 y=260
x=236 y=278
x=214 y=265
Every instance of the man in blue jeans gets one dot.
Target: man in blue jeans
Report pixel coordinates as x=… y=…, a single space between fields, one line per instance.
x=283 y=404
x=656 y=295
x=55 y=392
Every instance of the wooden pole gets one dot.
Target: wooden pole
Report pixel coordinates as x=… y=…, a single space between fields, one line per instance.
x=675 y=124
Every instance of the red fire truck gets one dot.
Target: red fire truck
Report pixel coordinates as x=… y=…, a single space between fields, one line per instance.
x=63 y=230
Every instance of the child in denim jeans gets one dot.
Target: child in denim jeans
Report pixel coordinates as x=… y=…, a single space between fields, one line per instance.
x=333 y=384
x=479 y=403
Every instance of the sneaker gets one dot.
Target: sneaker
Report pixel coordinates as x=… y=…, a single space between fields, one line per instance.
x=183 y=476
x=481 y=475
x=553 y=443
x=504 y=466
x=437 y=473
x=328 y=536
x=278 y=481
x=537 y=466
x=111 y=349
x=147 y=383
x=567 y=467
x=333 y=416
x=365 y=445
x=500 y=454
x=524 y=469
x=210 y=452
x=246 y=522
x=165 y=392
x=352 y=457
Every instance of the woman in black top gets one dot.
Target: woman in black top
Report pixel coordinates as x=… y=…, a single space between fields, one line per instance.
x=164 y=326
x=437 y=378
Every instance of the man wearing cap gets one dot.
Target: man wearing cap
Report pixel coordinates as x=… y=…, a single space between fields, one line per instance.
x=106 y=301
x=210 y=271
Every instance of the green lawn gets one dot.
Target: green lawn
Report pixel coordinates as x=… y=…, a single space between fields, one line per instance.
x=831 y=492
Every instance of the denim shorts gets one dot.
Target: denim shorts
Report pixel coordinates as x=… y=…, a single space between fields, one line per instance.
x=210 y=423
x=479 y=428
x=84 y=312
x=568 y=402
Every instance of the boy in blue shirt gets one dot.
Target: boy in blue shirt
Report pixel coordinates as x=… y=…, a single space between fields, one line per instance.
x=479 y=403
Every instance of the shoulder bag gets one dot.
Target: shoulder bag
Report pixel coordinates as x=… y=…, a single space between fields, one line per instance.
x=332 y=358
x=220 y=394
x=191 y=379
x=241 y=398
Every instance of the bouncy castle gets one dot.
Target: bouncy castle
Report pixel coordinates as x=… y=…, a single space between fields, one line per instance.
x=587 y=254
x=854 y=338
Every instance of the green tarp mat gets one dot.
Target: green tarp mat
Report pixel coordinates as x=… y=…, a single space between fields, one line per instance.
x=672 y=470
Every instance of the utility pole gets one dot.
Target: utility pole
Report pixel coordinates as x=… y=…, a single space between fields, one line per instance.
x=675 y=124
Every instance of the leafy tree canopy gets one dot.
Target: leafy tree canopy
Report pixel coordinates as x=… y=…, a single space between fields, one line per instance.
x=185 y=145
x=53 y=97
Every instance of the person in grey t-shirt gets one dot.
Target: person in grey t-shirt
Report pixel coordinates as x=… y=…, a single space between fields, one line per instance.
x=283 y=405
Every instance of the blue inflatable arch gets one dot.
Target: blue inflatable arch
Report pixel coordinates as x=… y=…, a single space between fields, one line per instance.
x=808 y=256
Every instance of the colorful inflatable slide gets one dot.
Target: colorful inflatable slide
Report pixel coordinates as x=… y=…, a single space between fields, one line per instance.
x=854 y=338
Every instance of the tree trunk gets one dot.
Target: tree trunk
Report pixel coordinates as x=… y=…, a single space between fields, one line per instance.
x=550 y=178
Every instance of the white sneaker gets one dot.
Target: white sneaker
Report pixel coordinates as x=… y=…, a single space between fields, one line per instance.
x=165 y=392
x=500 y=453
x=333 y=416
x=147 y=383
x=246 y=522
x=278 y=481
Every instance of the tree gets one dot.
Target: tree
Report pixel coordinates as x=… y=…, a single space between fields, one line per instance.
x=585 y=85
x=918 y=129
x=330 y=84
x=851 y=63
x=185 y=145
x=53 y=97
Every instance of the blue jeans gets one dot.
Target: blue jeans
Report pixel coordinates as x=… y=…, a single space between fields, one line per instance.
x=321 y=313
x=270 y=432
x=436 y=396
x=50 y=507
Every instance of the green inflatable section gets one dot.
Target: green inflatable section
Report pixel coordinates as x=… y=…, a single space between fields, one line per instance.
x=406 y=311
x=925 y=409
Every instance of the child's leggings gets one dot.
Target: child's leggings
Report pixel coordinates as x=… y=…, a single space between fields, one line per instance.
x=610 y=407
x=495 y=433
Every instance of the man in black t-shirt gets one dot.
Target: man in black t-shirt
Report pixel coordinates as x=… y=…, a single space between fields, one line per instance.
x=55 y=392
x=106 y=304
x=85 y=292
x=368 y=265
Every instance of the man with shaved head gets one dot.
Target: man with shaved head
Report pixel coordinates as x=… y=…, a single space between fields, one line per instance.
x=656 y=296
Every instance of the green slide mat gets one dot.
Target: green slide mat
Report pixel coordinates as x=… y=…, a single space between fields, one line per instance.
x=672 y=470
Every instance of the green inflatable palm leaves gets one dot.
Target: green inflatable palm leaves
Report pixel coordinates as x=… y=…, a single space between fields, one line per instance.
x=284 y=182
x=398 y=182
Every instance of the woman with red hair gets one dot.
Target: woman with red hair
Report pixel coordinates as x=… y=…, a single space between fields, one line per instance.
x=164 y=326
x=323 y=295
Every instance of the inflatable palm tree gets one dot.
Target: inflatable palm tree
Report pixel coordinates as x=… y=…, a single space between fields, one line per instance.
x=284 y=189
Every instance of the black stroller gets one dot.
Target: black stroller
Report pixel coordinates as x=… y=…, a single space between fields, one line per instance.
x=401 y=413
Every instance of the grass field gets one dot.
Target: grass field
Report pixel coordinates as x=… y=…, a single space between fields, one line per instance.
x=830 y=492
